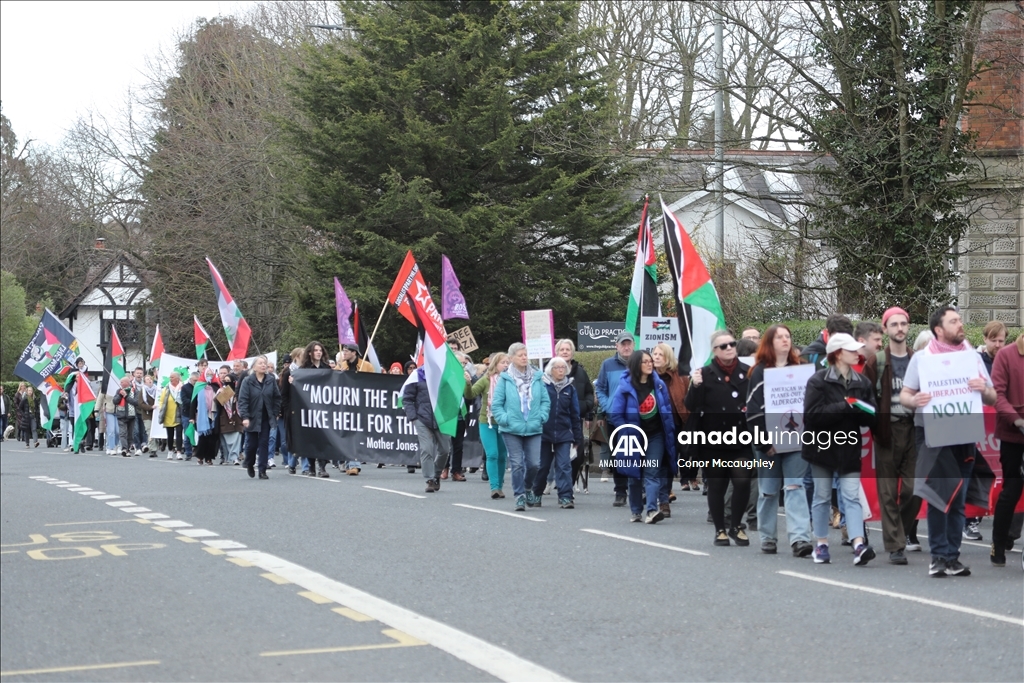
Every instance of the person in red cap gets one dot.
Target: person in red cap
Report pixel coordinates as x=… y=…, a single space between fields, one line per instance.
x=895 y=449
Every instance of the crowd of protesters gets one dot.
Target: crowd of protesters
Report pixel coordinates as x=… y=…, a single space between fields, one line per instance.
x=535 y=424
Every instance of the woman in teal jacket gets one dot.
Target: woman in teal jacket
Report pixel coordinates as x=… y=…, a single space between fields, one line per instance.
x=520 y=408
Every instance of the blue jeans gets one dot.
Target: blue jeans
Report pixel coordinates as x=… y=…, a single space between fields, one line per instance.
x=113 y=434
x=649 y=481
x=290 y=459
x=524 y=458
x=140 y=431
x=849 y=492
x=256 y=447
x=556 y=454
x=788 y=472
x=946 y=528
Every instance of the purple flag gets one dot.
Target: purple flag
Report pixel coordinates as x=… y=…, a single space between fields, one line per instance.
x=453 y=305
x=343 y=307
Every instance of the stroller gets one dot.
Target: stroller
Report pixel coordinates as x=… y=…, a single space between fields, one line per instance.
x=53 y=434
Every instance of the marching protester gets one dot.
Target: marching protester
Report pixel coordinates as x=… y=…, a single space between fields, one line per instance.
x=169 y=415
x=607 y=382
x=788 y=469
x=838 y=401
x=460 y=428
x=206 y=424
x=667 y=368
x=944 y=473
x=124 y=410
x=814 y=353
x=895 y=448
x=566 y=349
x=434 y=447
x=642 y=401
x=107 y=407
x=229 y=422
x=141 y=438
x=187 y=409
x=495 y=454
x=1008 y=381
x=562 y=430
x=520 y=406
x=27 y=410
x=147 y=395
x=717 y=395
x=348 y=360
x=259 y=404
x=869 y=333
x=284 y=439
x=314 y=357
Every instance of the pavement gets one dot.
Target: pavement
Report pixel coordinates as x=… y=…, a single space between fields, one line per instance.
x=142 y=568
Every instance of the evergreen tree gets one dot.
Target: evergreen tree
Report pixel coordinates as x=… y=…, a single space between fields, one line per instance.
x=468 y=129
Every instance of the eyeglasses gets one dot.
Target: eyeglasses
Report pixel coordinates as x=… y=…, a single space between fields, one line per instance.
x=726 y=345
x=647 y=361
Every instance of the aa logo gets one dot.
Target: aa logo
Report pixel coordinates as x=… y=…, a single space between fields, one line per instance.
x=630 y=442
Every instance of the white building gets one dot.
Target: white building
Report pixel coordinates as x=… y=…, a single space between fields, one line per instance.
x=115 y=292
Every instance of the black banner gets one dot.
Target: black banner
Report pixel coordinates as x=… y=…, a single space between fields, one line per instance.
x=351 y=416
x=359 y=416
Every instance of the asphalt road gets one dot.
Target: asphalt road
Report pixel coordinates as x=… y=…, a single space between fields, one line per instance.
x=147 y=569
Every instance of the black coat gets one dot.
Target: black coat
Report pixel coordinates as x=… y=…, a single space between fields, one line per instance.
x=827 y=411
x=254 y=398
x=718 y=405
x=186 y=407
x=584 y=389
x=416 y=401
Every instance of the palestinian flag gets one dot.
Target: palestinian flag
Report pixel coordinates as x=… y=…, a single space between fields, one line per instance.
x=863 y=406
x=191 y=434
x=643 y=293
x=52 y=350
x=445 y=378
x=235 y=327
x=83 y=411
x=113 y=363
x=157 y=351
x=50 y=390
x=700 y=311
x=202 y=338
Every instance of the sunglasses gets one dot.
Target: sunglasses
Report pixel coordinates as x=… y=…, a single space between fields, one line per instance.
x=726 y=345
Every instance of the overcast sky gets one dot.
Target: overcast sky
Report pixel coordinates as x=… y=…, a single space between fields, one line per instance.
x=59 y=60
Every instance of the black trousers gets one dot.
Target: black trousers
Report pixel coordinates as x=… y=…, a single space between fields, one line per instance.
x=257 y=445
x=1010 y=456
x=718 y=479
x=460 y=436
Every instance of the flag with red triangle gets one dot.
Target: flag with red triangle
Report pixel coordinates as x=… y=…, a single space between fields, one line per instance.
x=113 y=363
x=235 y=327
x=157 y=351
x=202 y=338
x=643 y=292
x=86 y=403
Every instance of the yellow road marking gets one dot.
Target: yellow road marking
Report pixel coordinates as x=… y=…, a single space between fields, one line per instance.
x=240 y=562
x=352 y=614
x=279 y=580
x=214 y=551
x=403 y=640
x=37 y=539
x=86 y=667
x=81 y=550
x=159 y=528
x=186 y=539
x=100 y=521
x=5 y=552
x=315 y=597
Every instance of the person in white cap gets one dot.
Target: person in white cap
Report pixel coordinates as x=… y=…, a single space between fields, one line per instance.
x=837 y=403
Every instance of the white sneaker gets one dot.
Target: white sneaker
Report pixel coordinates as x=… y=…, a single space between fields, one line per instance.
x=180 y=456
x=270 y=463
x=170 y=456
x=67 y=450
x=145 y=449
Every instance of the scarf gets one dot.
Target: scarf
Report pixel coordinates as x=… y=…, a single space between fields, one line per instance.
x=557 y=385
x=490 y=397
x=936 y=346
x=204 y=411
x=524 y=385
x=728 y=369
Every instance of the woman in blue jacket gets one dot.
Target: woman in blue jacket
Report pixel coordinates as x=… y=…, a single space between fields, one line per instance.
x=520 y=408
x=642 y=401
x=562 y=429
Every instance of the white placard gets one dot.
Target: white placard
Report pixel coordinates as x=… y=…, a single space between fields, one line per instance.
x=169 y=363
x=955 y=415
x=654 y=331
x=784 y=390
x=539 y=333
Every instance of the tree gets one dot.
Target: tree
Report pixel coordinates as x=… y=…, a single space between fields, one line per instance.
x=16 y=327
x=468 y=129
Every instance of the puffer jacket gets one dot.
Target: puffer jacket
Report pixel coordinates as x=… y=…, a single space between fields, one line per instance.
x=507 y=410
x=828 y=415
x=625 y=409
x=563 y=424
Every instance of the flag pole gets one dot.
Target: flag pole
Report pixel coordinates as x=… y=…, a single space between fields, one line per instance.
x=220 y=357
x=374 y=334
x=676 y=287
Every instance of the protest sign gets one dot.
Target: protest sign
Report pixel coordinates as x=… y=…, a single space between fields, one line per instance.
x=539 y=333
x=784 y=390
x=465 y=339
x=955 y=414
x=655 y=330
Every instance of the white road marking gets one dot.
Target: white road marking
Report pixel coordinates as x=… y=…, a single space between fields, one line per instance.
x=196 y=533
x=79 y=489
x=500 y=512
x=109 y=496
x=41 y=477
x=303 y=476
x=67 y=486
x=476 y=652
x=56 y=481
x=173 y=524
x=643 y=542
x=91 y=493
x=135 y=509
x=120 y=503
x=912 y=598
x=225 y=545
x=986 y=546
x=401 y=493
x=153 y=515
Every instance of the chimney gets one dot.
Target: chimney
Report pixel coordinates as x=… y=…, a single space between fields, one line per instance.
x=101 y=242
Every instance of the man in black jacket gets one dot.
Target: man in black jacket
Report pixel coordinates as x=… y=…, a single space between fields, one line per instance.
x=188 y=410
x=434 y=446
